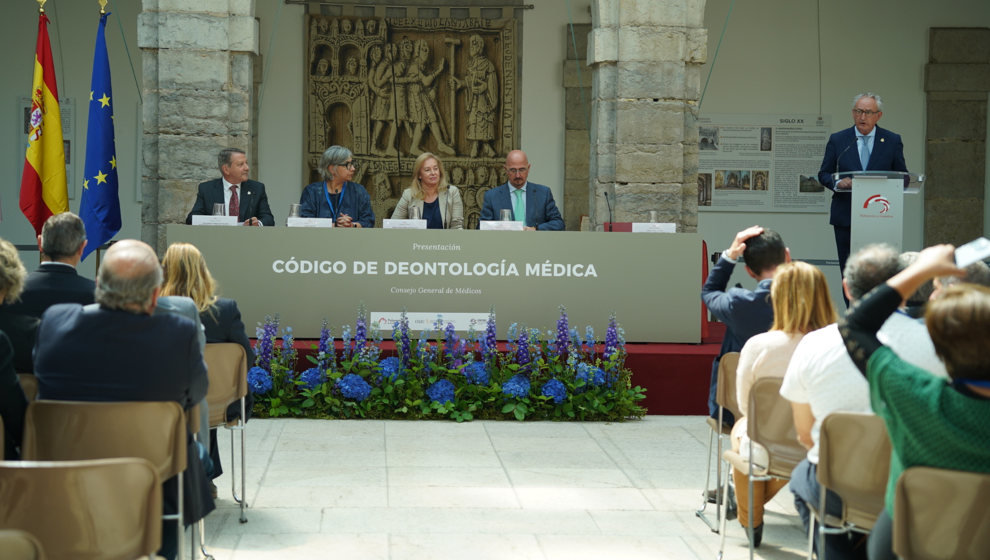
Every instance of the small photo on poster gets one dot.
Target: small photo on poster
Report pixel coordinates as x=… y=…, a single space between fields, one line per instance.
x=704 y=189
x=708 y=138
x=810 y=184
x=760 y=179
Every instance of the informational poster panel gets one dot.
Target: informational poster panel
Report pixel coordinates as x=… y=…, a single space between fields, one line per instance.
x=761 y=163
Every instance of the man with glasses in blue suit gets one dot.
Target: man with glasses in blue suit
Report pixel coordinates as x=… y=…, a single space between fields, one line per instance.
x=529 y=203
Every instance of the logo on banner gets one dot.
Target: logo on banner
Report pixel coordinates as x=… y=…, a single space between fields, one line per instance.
x=878 y=200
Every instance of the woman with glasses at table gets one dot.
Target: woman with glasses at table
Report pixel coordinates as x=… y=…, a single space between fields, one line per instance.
x=336 y=196
x=438 y=202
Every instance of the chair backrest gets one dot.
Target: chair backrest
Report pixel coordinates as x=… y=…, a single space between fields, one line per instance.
x=942 y=514
x=73 y=430
x=226 y=367
x=725 y=388
x=771 y=424
x=29 y=384
x=854 y=462
x=20 y=545
x=104 y=509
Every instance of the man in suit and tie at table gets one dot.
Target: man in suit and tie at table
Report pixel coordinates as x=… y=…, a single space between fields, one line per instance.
x=864 y=146
x=239 y=195
x=529 y=203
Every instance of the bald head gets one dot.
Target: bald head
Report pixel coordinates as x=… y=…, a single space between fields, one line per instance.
x=517 y=168
x=129 y=277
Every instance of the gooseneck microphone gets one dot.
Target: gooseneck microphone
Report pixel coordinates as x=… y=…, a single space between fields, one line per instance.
x=609 y=211
x=842 y=153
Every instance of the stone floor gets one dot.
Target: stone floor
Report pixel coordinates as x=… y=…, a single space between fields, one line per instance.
x=397 y=490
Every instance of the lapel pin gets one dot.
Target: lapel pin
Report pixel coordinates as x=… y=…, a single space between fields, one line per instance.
x=881 y=139
x=249 y=192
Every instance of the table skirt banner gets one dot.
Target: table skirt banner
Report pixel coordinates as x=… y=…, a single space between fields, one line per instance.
x=305 y=275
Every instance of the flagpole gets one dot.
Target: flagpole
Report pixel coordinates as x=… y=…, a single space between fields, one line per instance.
x=41 y=5
x=103 y=6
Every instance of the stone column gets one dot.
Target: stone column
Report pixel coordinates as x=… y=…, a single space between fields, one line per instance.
x=957 y=79
x=198 y=70
x=647 y=59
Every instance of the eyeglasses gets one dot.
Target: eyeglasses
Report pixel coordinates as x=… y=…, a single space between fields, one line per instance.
x=517 y=171
x=862 y=112
x=349 y=164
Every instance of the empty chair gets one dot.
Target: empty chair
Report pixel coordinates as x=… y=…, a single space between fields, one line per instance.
x=941 y=514
x=853 y=462
x=105 y=509
x=70 y=430
x=771 y=425
x=226 y=365
x=725 y=396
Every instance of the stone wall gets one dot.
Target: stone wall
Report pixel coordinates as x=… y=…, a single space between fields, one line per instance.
x=198 y=61
x=647 y=59
x=957 y=79
x=577 y=117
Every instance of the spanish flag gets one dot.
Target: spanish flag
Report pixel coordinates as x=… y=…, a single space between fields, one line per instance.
x=43 y=186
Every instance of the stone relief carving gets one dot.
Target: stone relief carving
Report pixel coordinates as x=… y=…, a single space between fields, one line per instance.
x=390 y=89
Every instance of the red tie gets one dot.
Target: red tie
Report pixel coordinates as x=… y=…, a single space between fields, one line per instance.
x=234 y=208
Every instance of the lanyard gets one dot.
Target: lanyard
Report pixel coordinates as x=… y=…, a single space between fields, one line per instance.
x=340 y=201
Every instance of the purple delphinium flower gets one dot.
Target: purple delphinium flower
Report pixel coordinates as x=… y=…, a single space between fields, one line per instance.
x=323 y=349
x=611 y=339
x=451 y=341
x=353 y=386
x=441 y=392
x=405 y=350
x=589 y=340
x=259 y=380
x=360 y=334
x=345 y=336
x=265 y=346
x=563 y=338
x=491 y=345
x=312 y=377
x=522 y=349
x=555 y=389
x=476 y=373
x=517 y=386
x=390 y=368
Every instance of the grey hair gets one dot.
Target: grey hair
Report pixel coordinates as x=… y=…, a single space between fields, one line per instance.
x=869 y=267
x=62 y=235
x=871 y=95
x=226 y=155
x=334 y=155
x=128 y=276
x=976 y=273
x=12 y=271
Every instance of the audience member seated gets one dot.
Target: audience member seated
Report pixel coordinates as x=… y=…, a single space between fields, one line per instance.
x=62 y=240
x=931 y=421
x=20 y=329
x=744 y=312
x=119 y=350
x=801 y=303
x=822 y=379
x=186 y=274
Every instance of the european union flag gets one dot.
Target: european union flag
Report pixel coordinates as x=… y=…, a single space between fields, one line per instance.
x=99 y=207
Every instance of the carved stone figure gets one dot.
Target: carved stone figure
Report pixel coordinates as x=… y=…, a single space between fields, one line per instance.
x=481 y=82
x=422 y=97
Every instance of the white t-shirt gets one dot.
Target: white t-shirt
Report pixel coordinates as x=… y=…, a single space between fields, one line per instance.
x=822 y=374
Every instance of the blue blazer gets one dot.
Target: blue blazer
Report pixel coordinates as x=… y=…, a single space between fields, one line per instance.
x=355 y=202
x=541 y=211
x=842 y=154
x=252 y=198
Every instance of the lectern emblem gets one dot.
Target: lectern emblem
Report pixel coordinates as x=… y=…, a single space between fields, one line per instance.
x=878 y=199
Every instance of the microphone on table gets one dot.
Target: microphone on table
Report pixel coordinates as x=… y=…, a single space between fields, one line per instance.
x=609 y=211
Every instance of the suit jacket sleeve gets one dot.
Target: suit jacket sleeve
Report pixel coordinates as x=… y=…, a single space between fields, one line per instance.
x=309 y=206
x=829 y=164
x=401 y=211
x=552 y=220
x=713 y=293
x=264 y=213
x=456 y=208
x=200 y=207
x=488 y=206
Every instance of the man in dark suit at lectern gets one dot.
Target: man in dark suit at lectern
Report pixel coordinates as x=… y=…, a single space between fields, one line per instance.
x=862 y=147
x=239 y=195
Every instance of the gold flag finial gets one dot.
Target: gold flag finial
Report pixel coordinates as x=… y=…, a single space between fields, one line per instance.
x=103 y=6
x=41 y=5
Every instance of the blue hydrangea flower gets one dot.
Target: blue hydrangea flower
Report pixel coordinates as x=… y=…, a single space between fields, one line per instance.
x=555 y=389
x=477 y=373
x=312 y=377
x=390 y=367
x=442 y=391
x=259 y=380
x=353 y=386
x=517 y=386
x=591 y=375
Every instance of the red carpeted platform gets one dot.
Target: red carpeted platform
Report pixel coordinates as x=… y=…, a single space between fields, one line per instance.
x=675 y=376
